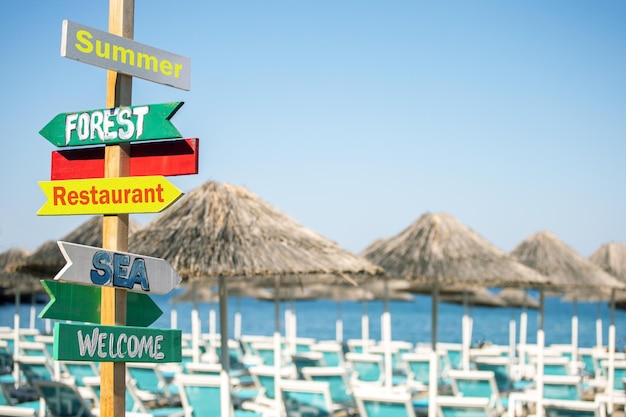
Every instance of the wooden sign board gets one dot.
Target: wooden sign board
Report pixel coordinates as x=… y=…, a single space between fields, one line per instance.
x=111 y=126
x=150 y=194
x=167 y=158
x=82 y=303
x=85 y=342
x=89 y=265
x=124 y=55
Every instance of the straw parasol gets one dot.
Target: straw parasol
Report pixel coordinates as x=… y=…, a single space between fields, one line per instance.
x=225 y=231
x=438 y=250
x=47 y=259
x=567 y=270
x=12 y=281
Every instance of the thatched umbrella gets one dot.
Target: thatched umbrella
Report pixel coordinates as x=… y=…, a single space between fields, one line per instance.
x=567 y=270
x=47 y=259
x=225 y=231
x=16 y=282
x=438 y=250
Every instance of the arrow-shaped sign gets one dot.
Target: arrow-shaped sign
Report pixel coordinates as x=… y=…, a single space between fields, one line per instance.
x=108 y=196
x=167 y=158
x=96 y=266
x=114 y=125
x=84 y=342
x=82 y=303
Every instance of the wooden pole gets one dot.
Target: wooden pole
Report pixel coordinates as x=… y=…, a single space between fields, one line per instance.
x=115 y=227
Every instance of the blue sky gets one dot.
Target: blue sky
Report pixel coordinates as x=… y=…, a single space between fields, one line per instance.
x=355 y=117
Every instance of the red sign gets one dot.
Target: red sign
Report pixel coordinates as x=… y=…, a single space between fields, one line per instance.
x=166 y=158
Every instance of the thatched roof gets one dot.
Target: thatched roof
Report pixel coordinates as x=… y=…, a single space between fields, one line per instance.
x=47 y=259
x=11 y=280
x=438 y=248
x=611 y=257
x=226 y=230
x=565 y=267
x=517 y=297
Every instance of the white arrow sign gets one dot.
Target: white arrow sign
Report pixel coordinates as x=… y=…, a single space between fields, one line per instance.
x=101 y=267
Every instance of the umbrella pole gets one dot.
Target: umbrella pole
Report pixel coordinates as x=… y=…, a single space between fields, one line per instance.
x=575 y=331
x=599 y=341
x=465 y=332
x=540 y=347
x=386 y=338
x=365 y=328
x=339 y=324
x=16 y=338
x=195 y=327
x=523 y=333
x=277 y=349
x=512 y=339
x=237 y=330
x=32 y=311
x=611 y=376
x=225 y=400
x=433 y=371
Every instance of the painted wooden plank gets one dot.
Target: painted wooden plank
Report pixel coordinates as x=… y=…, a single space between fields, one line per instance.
x=89 y=265
x=166 y=158
x=86 y=342
x=150 y=194
x=125 y=56
x=115 y=125
x=76 y=302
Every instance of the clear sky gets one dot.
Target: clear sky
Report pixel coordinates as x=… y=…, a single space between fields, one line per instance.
x=355 y=117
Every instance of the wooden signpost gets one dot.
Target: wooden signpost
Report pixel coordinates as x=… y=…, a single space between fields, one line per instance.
x=167 y=158
x=82 y=303
x=102 y=186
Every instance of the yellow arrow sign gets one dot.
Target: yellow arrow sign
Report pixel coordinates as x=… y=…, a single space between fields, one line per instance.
x=150 y=194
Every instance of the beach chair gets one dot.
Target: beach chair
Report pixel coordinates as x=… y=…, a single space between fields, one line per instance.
x=64 y=400
x=571 y=408
x=150 y=383
x=449 y=406
x=263 y=377
x=35 y=368
x=332 y=352
x=418 y=370
x=201 y=397
x=10 y=411
x=132 y=401
x=306 y=359
x=381 y=403
x=501 y=368
x=337 y=379
x=243 y=385
x=365 y=368
x=478 y=384
x=562 y=387
x=77 y=370
x=306 y=398
x=7 y=400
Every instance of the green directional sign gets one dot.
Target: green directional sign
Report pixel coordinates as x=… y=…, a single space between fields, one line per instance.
x=85 y=342
x=77 y=302
x=115 y=125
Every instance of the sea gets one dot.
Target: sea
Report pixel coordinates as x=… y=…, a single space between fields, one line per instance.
x=410 y=320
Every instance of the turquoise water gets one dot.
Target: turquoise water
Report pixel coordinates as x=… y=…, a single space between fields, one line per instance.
x=410 y=320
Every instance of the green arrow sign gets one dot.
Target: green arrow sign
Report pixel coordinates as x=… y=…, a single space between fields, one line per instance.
x=115 y=125
x=84 y=342
x=82 y=303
